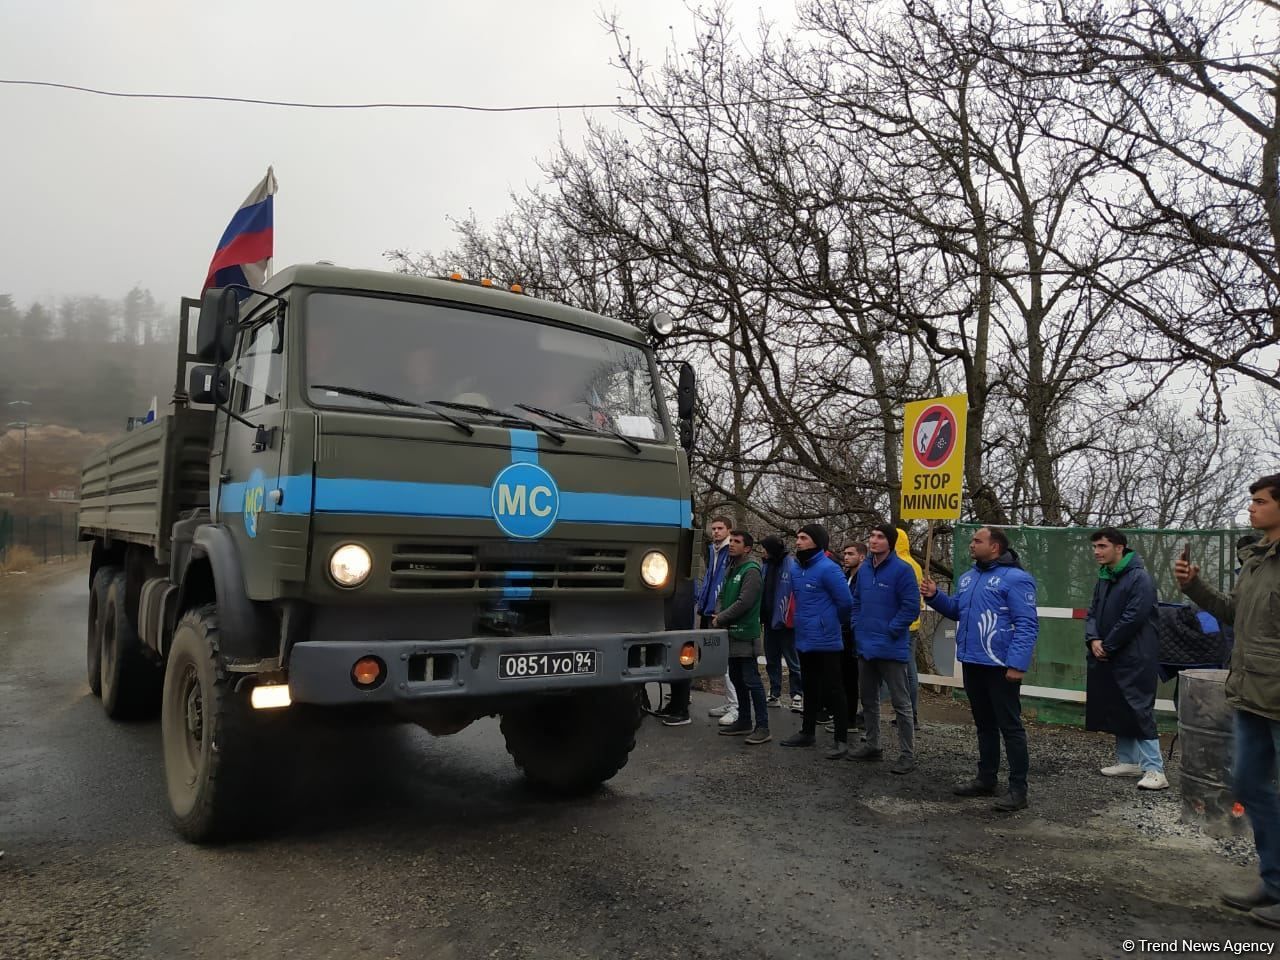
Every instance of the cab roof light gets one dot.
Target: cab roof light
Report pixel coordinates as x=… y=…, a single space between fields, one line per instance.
x=455 y=275
x=516 y=288
x=486 y=282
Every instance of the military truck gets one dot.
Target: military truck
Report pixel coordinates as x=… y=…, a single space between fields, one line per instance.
x=438 y=499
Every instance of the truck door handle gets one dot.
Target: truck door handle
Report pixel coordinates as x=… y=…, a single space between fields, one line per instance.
x=264 y=439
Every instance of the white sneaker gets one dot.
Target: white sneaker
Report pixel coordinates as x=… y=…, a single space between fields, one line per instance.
x=729 y=719
x=797 y=704
x=1122 y=770
x=719 y=711
x=1153 y=780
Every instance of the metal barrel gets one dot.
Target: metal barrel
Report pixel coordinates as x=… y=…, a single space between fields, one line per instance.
x=1206 y=737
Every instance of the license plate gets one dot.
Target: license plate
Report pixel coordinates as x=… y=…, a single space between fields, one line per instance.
x=521 y=666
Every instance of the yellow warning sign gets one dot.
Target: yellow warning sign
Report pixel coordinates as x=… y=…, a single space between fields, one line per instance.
x=933 y=458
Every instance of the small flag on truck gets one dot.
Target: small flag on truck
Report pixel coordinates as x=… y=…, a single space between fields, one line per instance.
x=245 y=250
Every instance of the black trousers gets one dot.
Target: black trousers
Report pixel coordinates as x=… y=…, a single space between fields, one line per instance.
x=849 y=674
x=678 y=702
x=824 y=690
x=997 y=712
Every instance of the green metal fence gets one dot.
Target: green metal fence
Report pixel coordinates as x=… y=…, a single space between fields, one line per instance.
x=49 y=536
x=1061 y=560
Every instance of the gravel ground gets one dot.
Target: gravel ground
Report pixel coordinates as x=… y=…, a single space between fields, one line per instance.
x=389 y=843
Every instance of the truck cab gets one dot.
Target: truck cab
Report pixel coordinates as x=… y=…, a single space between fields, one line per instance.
x=440 y=499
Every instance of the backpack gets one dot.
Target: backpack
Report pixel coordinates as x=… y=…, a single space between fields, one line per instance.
x=1184 y=641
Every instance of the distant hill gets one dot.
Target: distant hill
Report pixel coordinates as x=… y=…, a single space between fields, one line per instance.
x=93 y=387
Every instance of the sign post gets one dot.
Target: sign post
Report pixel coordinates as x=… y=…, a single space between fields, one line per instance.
x=933 y=462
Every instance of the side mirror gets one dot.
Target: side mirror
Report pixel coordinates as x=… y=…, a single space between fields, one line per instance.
x=211 y=385
x=216 y=330
x=686 y=392
x=686 y=435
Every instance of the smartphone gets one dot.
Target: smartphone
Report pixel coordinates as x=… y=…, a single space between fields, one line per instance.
x=1186 y=552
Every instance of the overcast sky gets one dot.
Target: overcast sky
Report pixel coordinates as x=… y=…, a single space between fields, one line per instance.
x=99 y=194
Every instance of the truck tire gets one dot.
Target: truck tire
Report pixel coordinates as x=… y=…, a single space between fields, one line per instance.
x=206 y=733
x=570 y=745
x=130 y=683
x=97 y=604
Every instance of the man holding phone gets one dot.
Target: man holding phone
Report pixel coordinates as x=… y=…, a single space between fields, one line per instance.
x=1253 y=688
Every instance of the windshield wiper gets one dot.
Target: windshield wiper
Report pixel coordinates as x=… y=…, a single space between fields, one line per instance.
x=575 y=422
x=504 y=414
x=393 y=401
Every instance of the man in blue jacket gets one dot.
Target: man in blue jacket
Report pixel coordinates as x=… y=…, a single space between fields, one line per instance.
x=886 y=601
x=676 y=711
x=822 y=605
x=995 y=607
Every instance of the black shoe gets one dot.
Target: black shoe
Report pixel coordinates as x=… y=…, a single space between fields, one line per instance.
x=1267 y=916
x=825 y=718
x=1010 y=802
x=664 y=711
x=799 y=740
x=866 y=753
x=1248 y=898
x=736 y=730
x=902 y=766
x=759 y=735
x=839 y=751
x=974 y=788
x=676 y=720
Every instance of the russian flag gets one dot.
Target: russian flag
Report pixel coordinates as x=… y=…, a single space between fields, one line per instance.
x=244 y=252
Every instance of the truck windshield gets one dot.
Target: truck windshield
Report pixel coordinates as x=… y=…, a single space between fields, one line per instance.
x=426 y=352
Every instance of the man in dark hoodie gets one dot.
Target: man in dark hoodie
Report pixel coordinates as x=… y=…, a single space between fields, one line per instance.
x=738 y=611
x=1123 y=659
x=997 y=627
x=777 y=619
x=822 y=605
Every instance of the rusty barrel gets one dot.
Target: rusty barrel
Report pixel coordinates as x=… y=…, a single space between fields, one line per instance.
x=1206 y=737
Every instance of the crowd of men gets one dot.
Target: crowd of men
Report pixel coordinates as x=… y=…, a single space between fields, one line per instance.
x=847 y=633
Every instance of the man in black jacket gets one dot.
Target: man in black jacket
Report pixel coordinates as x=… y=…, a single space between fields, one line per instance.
x=1123 y=652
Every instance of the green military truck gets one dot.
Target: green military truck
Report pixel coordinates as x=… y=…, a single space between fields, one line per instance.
x=441 y=499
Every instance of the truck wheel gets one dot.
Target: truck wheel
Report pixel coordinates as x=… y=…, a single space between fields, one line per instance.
x=206 y=732
x=97 y=604
x=570 y=745
x=130 y=683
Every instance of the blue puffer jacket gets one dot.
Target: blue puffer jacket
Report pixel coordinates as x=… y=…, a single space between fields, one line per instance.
x=995 y=607
x=886 y=601
x=776 y=619
x=713 y=580
x=822 y=604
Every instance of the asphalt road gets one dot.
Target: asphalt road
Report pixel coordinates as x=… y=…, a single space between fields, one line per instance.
x=390 y=843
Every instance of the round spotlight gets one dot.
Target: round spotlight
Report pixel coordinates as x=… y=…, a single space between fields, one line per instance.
x=350 y=565
x=654 y=569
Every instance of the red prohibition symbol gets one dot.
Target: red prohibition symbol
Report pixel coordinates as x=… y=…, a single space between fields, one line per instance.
x=934 y=436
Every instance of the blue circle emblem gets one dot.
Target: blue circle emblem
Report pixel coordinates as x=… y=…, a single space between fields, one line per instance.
x=255 y=495
x=525 y=501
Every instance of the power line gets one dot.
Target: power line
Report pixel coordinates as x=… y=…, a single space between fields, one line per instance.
x=518 y=108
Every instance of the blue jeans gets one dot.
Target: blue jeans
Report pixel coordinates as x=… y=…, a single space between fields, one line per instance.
x=744 y=673
x=1253 y=776
x=1143 y=753
x=779 y=645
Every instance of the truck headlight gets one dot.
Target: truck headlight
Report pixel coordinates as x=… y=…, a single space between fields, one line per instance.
x=654 y=569
x=350 y=564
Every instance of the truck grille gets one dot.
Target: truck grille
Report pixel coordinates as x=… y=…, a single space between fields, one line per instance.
x=495 y=567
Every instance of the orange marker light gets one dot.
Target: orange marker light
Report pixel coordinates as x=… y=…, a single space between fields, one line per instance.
x=367 y=672
x=455 y=276
x=486 y=282
x=688 y=656
x=516 y=288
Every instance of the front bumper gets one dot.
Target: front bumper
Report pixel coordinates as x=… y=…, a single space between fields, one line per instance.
x=320 y=671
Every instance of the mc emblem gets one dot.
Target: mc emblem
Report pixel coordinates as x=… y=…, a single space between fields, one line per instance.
x=525 y=501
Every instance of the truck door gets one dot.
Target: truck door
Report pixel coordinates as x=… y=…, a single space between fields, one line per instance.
x=251 y=490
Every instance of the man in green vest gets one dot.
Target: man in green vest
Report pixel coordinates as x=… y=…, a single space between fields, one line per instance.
x=738 y=611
